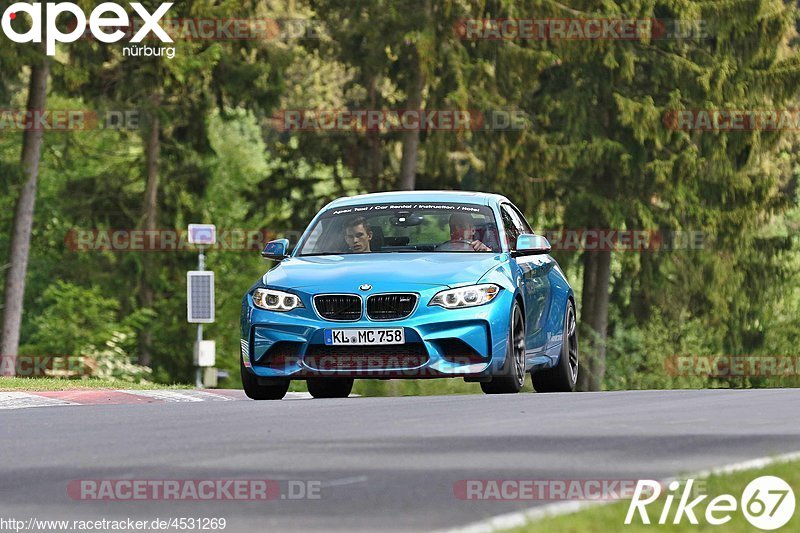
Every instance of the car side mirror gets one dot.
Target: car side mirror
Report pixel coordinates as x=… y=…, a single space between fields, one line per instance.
x=276 y=250
x=528 y=244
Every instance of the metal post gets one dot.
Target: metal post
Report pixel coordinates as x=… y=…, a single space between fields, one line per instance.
x=201 y=265
x=198 y=382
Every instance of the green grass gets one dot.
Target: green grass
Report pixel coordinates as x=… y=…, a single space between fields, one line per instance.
x=604 y=518
x=57 y=384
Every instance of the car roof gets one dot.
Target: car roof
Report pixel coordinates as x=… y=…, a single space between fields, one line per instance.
x=461 y=197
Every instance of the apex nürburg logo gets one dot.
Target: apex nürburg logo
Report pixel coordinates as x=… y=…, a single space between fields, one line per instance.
x=99 y=23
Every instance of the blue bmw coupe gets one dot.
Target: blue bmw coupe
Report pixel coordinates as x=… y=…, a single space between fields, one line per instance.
x=409 y=285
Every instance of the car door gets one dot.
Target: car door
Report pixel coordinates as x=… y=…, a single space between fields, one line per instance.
x=535 y=286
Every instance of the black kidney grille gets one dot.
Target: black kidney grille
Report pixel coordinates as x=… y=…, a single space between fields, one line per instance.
x=338 y=306
x=390 y=306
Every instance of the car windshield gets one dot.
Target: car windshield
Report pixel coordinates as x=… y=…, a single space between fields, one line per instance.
x=411 y=227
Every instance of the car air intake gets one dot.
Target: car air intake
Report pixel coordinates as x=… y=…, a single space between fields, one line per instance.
x=342 y=307
x=366 y=359
x=390 y=306
x=280 y=354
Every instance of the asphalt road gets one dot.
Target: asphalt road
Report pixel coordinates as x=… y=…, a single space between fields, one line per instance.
x=383 y=463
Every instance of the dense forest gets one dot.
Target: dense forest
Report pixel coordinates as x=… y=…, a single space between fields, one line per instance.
x=609 y=134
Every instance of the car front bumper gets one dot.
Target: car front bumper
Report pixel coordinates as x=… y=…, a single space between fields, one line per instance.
x=439 y=342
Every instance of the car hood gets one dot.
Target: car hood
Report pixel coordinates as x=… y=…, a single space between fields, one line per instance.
x=389 y=271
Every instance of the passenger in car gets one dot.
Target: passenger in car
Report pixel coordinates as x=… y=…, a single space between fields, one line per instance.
x=357 y=235
x=462 y=235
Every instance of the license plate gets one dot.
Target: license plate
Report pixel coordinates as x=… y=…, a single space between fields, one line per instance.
x=373 y=336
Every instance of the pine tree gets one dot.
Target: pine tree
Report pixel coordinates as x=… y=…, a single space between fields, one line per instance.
x=604 y=108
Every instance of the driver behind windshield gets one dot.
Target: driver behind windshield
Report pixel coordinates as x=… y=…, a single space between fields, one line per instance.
x=462 y=235
x=357 y=235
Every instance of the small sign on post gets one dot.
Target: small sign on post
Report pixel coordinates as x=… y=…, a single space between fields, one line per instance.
x=205 y=353
x=203 y=234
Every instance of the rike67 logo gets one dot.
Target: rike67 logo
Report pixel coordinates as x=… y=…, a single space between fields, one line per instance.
x=767 y=503
x=102 y=20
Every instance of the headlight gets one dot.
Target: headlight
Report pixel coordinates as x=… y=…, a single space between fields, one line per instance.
x=273 y=300
x=466 y=296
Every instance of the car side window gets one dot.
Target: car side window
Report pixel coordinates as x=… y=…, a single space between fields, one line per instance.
x=522 y=224
x=510 y=227
x=315 y=242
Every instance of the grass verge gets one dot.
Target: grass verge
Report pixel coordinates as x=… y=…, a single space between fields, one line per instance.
x=604 y=518
x=41 y=384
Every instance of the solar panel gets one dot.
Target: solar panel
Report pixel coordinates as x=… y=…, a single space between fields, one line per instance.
x=200 y=296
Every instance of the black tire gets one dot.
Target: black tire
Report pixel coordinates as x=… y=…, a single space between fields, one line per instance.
x=255 y=391
x=563 y=376
x=330 y=387
x=512 y=378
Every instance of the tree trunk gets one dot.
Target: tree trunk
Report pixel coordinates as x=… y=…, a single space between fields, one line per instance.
x=150 y=216
x=594 y=318
x=587 y=312
x=375 y=156
x=23 y=222
x=408 y=163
